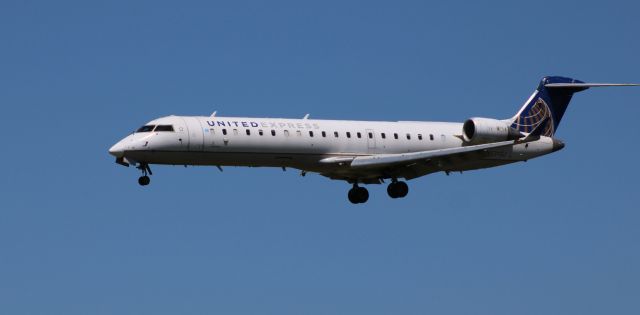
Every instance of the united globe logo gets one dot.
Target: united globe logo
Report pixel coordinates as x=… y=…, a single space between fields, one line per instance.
x=538 y=113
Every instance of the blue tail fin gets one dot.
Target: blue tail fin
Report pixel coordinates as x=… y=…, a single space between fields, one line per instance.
x=546 y=106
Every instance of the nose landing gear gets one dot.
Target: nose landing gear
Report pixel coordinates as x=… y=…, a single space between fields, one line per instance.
x=358 y=194
x=144 y=180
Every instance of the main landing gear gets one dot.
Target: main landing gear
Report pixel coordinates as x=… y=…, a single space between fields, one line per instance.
x=144 y=180
x=358 y=194
x=395 y=190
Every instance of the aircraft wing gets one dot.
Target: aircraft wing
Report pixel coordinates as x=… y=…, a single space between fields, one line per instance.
x=370 y=169
x=385 y=160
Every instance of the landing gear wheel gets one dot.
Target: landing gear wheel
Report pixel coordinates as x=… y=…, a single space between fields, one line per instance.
x=363 y=194
x=144 y=180
x=397 y=189
x=358 y=195
x=391 y=190
x=403 y=189
x=353 y=196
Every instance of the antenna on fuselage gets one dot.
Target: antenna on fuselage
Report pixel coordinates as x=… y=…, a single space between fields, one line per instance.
x=214 y=113
x=305 y=116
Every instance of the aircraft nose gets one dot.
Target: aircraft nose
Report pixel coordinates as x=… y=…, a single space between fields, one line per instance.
x=117 y=149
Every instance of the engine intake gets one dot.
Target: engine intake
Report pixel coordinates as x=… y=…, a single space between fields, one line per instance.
x=481 y=130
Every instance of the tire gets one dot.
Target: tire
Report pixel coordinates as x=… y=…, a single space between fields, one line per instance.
x=353 y=196
x=363 y=194
x=144 y=180
x=402 y=189
x=392 y=190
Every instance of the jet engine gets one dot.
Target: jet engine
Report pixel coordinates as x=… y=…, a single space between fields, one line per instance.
x=482 y=130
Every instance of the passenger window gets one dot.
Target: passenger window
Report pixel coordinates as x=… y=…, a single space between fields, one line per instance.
x=286 y=133
x=324 y=134
x=273 y=132
x=260 y=132
x=348 y=134
x=395 y=136
x=359 y=135
x=224 y=132
x=408 y=136
x=299 y=133
x=248 y=132
x=431 y=137
x=311 y=134
x=335 y=133
x=419 y=136
x=383 y=135
x=235 y=132
x=371 y=135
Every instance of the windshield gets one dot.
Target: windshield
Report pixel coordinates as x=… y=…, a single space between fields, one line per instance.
x=146 y=128
x=164 y=128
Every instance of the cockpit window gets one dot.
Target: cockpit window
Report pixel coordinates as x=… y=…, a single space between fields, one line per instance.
x=164 y=128
x=146 y=128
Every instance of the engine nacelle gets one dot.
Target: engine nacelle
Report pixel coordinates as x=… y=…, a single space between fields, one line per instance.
x=481 y=130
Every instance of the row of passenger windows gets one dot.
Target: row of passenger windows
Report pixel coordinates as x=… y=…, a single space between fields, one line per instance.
x=359 y=135
x=335 y=134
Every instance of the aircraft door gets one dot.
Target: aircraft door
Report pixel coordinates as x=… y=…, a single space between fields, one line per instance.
x=196 y=134
x=371 y=140
x=182 y=133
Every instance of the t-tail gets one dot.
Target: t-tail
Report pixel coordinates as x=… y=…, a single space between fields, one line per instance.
x=543 y=111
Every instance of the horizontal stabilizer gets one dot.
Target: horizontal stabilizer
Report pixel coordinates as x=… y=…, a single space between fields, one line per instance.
x=586 y=85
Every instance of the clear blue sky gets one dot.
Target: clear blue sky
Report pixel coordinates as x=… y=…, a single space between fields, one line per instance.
x=556 y=235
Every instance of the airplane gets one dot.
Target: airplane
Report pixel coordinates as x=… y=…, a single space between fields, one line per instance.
x=358 y=152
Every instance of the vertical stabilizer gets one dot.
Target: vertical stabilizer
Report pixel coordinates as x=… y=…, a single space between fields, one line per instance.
x=547 y=105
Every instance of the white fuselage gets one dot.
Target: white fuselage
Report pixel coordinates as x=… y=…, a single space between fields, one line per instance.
x=358 y=152
x=309 y=144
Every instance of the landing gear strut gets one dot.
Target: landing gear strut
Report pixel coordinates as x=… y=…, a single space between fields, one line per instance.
x=358 y=194
x=397 y=189
x=144 y=180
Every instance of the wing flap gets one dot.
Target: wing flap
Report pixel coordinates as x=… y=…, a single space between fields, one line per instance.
x=337 y=159
x=382 y=160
